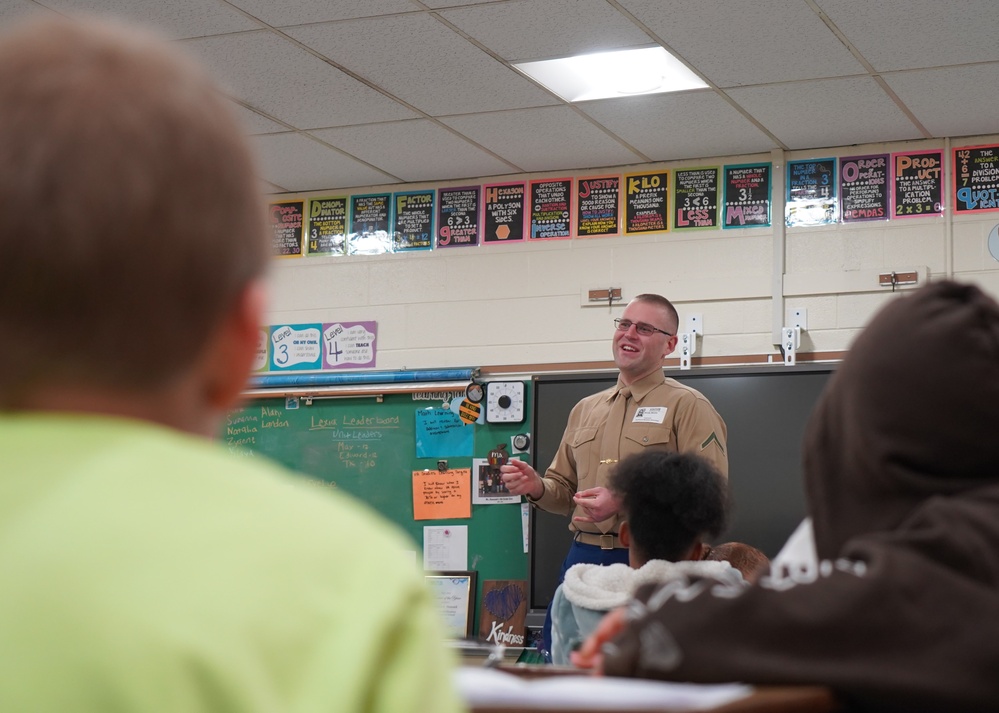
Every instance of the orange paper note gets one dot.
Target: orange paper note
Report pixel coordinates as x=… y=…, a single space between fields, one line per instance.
x=442 y=495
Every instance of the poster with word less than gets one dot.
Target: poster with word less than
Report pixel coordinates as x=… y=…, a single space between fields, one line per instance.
x=811 y=192
x=370 y=221
x=646 y=203
x=296 y=347
x=327 y=229
x=598 y=206
x=458 y=217
x=413 y=227
x=349 y=345
x=551 y=209
x=863 y=183
x=918 y=185
x=976 y=179
x=696 y=198
x=286 y=227
x=747 y=196
x=504 y=213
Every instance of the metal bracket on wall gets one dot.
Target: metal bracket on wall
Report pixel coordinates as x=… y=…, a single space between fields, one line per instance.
x=609 y=295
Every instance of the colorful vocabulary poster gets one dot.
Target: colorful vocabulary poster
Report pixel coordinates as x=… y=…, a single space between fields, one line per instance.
x=370 y=220
x=286 y=227
x=646 y=203
x=504 y=212
x=811 y=192
x=349 y=345
x=976 y=178
x=598 y=206
x=458 y=217
x=747 y=196
x=327 y=229
x=696 y=198
x=413 y=227
x=551 y=209
x=296 y=347
x=863 y=182
x=918 y=185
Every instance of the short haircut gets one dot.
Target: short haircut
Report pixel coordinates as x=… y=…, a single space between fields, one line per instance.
x=131 y=216
x=670 y=500
x=665 y=304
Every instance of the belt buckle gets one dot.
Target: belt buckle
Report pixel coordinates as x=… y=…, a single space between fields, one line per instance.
x=607 y=542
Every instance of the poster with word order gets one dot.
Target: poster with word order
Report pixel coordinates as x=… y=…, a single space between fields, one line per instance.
x=646 y=203
x=458 y=217
x=296 y=347
x=863 y=183
x=370 y=221
x=441 y=495
x=349 y=345
x=918 y=184
x=696 y=198
x=976 y=179
x=413 y=227
x=598 y=206
x=504 y=213
x=811 y=192
x=551 y=209
x=327 y=227
x=286 y=228
x=747 y=196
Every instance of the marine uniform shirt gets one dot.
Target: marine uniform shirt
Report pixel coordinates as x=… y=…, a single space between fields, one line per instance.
x=662 y=414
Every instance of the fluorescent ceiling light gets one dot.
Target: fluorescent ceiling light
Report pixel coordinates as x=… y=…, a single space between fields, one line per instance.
x=621 y=73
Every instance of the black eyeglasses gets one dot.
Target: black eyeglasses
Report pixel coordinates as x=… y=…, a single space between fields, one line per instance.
x=646 y=330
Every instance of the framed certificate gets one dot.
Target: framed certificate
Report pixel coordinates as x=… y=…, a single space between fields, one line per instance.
x=455 y=596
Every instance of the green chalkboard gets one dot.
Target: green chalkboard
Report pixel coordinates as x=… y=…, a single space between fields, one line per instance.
x=367 y=447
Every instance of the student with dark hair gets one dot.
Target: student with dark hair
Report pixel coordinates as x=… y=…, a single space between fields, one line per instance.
x=671 y=502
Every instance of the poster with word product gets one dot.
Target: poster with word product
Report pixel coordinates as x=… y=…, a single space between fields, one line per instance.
x=695 y=198
x=646 y=203
x=349 y=345
x=918 y=187
x=976 y=179
x=863 y=182
x=370 y=221
x=504 y=213
x=598 y=206
x=327 y=231
x=458 y=217
x=296 y=347
x=413 y=227
x=747 y=196
x=811 y=192
x=551 y=209
x=286 y=227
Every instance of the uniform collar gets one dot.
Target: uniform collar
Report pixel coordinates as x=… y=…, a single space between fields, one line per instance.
x=640 y=388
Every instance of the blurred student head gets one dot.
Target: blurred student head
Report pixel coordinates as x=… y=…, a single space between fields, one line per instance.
x=747 y=559
x=671 y=502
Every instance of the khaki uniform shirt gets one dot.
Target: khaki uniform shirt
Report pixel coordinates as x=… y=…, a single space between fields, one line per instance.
x=689 y=424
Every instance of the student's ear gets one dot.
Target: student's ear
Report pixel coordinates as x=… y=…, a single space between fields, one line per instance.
x=234 y=348
x=697 y=551
x=624 y=534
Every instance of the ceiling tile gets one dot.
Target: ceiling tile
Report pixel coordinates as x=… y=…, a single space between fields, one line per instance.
x=907 y=34
x=540 y=29
x=14 y=10
x=301 y=12
x=682 y=125
x=547 y=139
x=255 y=123
x=292 y=85
x=740 y=43
x=301 y=164
x=954 y=101
x=415 y=150
x=177 y=19
x=441 y=73
x=827 y=112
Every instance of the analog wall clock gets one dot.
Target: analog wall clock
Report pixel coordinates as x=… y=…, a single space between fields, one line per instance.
x=505 y=401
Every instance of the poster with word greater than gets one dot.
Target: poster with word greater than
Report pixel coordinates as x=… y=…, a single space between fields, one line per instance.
x=863 y=183
x=598 y=206
x=747 y=196
x=370 y=222
x=322 y=346
x=696 y=198
x=976 y=179
x=918 y=189
x=646 y=203
x=504 y=213
x=286 y=228
x=441 y=496
x=327 y=228
x=811 y=192
x=413 y=227
x=551 y=209
x=458 y=217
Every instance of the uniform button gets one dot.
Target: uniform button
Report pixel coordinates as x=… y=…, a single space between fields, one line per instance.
x=645 y=440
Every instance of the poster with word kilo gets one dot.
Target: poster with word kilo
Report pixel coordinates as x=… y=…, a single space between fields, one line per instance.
x=458 y=217
x=551 y=209
x=918 y=184
x=598 y=206
x=696 y=198
x=976 y=179
x=504 y=213
x=286 y=228
x=646 y=203
x=370 y=222
x=811 y=192
x=327 y=228
x=413 y=226
x=747 y=196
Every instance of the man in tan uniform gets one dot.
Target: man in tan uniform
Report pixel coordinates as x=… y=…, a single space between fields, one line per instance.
x=643 y=410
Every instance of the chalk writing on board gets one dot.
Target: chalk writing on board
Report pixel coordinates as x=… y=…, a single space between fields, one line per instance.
x=286 y=228
x=696 y=198
x=976 y=178
x=597 y=206
x=550 y=208
x=747 y=196
x=646 y=198
x=918 y=188
x=457 y=217
x=864 y=188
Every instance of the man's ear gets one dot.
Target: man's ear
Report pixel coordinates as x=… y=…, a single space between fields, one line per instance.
x=234 y=348
x=671 y=343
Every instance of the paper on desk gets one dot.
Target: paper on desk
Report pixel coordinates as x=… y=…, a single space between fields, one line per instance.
x=489 y=687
